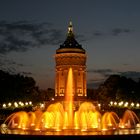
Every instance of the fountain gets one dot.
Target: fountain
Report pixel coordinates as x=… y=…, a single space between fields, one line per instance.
x=63 y=118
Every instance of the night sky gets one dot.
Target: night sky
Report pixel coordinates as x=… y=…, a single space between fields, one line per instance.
x=32 y=30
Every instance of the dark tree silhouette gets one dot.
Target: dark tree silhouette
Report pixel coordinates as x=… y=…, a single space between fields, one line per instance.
x=117 y=88
x=16 y=87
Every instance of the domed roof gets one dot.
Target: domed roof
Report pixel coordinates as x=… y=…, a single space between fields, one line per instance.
x=70 y=44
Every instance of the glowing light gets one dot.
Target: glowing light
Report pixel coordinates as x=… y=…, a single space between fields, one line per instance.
x=30 y=103
x=9 y=104
x=15 y=104
x=126 y=104
x=120 y=104
x=42 y=105
x=115 y=103
x=111 y=103
x=132 y=104
x=26 y=103
x=4 y=105
x=137 y=105
x=19 y=102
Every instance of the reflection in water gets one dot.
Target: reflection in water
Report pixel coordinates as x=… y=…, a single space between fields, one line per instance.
x=109 y=132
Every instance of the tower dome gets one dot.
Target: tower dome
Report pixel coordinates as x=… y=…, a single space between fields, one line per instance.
x=70 y=44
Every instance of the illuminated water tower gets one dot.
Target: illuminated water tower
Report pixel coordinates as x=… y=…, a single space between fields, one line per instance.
x=71 y=54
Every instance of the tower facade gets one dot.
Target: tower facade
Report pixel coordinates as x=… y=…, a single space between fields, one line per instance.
x=70 y=54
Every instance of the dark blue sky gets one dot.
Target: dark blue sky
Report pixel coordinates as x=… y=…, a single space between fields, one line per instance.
x=31 y=31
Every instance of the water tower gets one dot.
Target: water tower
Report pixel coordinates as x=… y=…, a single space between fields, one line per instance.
x=70 y=54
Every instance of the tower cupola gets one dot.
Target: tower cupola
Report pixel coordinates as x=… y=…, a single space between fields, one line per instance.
x=70 y=44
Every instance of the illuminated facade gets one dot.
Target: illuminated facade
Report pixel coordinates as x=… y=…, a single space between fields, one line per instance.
x=70 y=54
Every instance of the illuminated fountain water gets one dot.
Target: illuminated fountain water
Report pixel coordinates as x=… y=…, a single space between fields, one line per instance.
x=58 y=117
x=68 y=115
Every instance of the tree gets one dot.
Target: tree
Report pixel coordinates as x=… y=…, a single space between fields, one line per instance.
x=15 y=87
x=118 y=87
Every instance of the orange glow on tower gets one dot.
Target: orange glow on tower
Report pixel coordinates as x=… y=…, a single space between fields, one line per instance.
x=70 y=54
